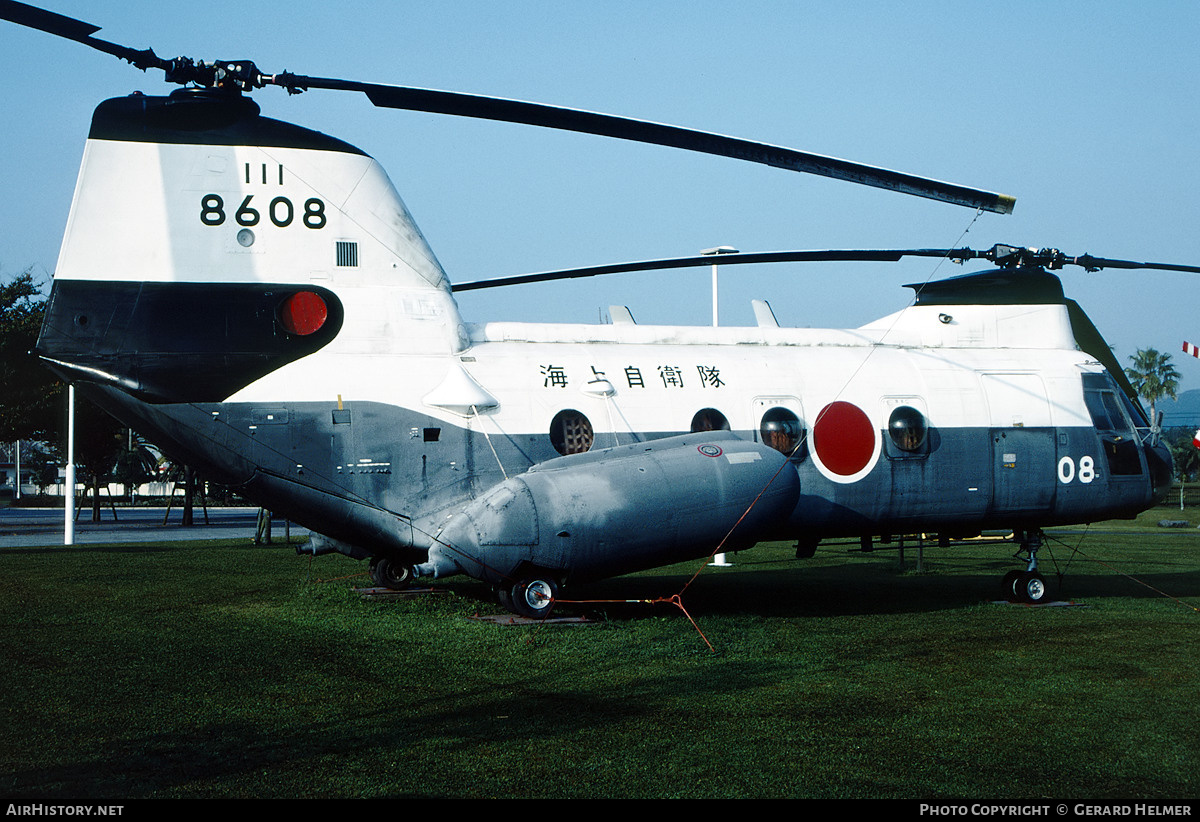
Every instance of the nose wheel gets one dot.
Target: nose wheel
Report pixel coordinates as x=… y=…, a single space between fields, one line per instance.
x=1026 y=586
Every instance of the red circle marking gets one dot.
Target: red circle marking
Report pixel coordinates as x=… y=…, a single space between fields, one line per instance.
x=303 y=313
x=843 y=438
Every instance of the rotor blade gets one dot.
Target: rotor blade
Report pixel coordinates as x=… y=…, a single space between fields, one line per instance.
x=46 y=21
x=244 y=75
x=77 y=30
x=1006 y=256
x=830 y=255
x=607 y=125
x=1096 y=263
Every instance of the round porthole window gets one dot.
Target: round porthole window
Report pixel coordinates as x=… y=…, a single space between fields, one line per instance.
x=571 y=432
x=709 y=419
x=781 y=429
x=907 y=428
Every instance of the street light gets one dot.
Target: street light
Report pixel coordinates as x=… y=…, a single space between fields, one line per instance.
x=712 y=252
x=69 y=502
x=718 y=559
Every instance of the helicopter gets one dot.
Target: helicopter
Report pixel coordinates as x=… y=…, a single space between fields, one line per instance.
x=255 y=297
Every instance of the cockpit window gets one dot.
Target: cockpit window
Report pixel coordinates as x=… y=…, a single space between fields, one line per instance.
x=1106 y=411
x=1110 y=408
x=1098 y=409
x=1118 y=440
x=1135 y=411
x=1120 y=423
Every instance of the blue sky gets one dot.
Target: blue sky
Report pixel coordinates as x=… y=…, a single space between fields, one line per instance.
x=1086 y=112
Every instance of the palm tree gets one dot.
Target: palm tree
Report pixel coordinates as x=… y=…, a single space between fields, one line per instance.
x=1185 y=456
x=136 y=463
x=1153 y=377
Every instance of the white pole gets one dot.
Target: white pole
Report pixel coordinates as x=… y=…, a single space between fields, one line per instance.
x=17 y=491
x=721 y=249
x=714 y=295
x=718 y=559
x=69 y=489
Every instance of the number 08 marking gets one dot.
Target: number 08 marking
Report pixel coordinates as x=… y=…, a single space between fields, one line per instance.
x=1067 y=472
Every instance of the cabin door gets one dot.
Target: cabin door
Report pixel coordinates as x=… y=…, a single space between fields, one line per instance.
x=1024 y=443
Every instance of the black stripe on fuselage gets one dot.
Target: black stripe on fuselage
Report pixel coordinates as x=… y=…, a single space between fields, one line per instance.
x=176 y=342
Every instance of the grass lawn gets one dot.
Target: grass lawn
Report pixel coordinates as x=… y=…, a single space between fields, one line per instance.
x=230 y=670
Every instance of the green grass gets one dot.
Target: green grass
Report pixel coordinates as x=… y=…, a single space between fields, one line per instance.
x=229 y=670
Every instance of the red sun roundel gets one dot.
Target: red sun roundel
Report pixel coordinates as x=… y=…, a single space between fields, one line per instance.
x=843 y=438
x=303 y=313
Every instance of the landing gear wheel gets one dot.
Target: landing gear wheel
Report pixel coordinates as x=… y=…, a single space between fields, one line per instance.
x=1030 y=587
x=387 y=572
x=1010 y=587
x=532 y=597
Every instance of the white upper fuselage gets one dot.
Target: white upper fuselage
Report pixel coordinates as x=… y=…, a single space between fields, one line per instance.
x=983 y=366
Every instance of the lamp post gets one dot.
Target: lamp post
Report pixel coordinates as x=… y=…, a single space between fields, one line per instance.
x=712 y=252
x=69 y=490
x=718 y=559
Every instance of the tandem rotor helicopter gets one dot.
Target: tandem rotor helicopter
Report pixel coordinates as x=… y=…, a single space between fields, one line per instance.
x=280 y=323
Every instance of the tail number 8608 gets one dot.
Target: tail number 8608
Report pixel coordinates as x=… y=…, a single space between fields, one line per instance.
x=281 y=212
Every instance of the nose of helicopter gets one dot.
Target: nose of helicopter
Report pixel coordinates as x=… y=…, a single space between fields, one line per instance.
x=1162 y=470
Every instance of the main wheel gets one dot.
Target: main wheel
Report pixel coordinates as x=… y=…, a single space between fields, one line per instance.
x=387 y=572
x=534 y=597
